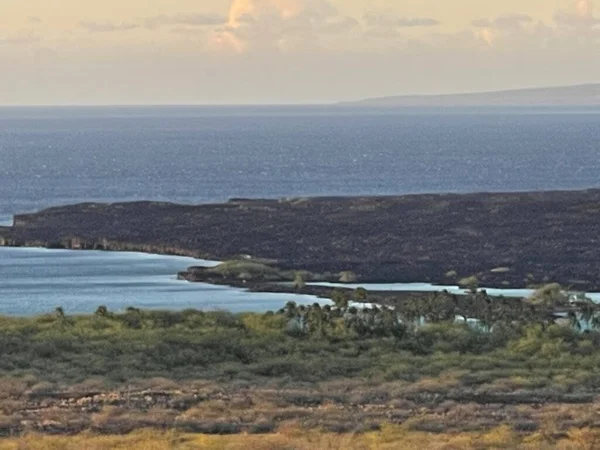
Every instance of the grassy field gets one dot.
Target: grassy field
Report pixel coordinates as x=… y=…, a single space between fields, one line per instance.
x=390 y=438
x=303 y=378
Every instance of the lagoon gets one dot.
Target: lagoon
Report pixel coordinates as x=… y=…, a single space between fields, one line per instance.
x=426 y=287
x=36 y=281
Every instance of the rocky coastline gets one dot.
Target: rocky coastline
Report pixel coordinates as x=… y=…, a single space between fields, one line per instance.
x=503 y=240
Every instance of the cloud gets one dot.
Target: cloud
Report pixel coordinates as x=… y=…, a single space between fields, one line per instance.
x=580 y=14
x=241 y=10
x=487 y=36
x=390 y=21
x=281 y=24
x=34 y=20
x=417 y=22
x=107 y=27
x=511 y=29
x=152 y=23
x=290 y=50
x=22 y=38
x=247 y=12
x=340 y=25
x=507 y=21
x=196 y=20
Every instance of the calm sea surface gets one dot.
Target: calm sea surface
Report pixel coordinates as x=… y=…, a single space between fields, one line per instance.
x=59 y=156
x=36 y=281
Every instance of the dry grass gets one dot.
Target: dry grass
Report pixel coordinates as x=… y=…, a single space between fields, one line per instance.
x=293 y=438
x=343 y=406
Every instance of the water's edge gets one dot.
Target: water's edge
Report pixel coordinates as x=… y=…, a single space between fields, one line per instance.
x=36 y=281
x=121 y=289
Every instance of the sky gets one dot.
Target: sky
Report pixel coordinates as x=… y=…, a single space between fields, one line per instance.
x=66 y=52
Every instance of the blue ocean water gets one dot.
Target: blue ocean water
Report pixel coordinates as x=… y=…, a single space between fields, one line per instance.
x=36 y=281
x=54 y=156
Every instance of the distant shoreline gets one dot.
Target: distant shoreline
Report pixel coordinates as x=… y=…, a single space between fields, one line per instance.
x=564 y=96
x=578 y=95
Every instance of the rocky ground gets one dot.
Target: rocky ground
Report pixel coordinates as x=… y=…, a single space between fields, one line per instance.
x=341 y=406
x=506 y=240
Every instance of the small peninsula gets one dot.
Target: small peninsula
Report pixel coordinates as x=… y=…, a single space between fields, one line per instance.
x=504 y=240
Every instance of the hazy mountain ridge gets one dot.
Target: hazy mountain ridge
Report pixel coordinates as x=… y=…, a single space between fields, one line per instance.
x=581 y=95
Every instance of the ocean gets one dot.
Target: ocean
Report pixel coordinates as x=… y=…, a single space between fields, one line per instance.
x=56 y=156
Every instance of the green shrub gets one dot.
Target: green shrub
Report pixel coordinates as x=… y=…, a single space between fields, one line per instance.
x=246 y=269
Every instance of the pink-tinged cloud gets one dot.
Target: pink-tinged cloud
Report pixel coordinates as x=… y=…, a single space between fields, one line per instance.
x=580 y=14
x=279 y=24
x=240 y=10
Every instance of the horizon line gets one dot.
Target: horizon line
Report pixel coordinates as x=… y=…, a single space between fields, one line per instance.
x=296 y=104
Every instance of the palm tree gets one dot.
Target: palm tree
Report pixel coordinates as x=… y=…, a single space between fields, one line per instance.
x=340 y=300
x=488 y=311
x=595 y=321
x=102 y=311
x=299 y=282
x=574 y=320
x=460 y=309
x=586 y=309
x=60 y=312
x=410 y=311
x=290 y=310
x=316 y=320
x=361 y=295
x=351 y=318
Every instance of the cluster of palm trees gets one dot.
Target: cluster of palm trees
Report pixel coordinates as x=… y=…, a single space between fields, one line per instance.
x=332 y=320
x=548 y=306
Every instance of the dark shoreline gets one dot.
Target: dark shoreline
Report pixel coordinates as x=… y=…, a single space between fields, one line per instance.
x=506 y=240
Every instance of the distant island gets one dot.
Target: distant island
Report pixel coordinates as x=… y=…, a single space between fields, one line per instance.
x=582 y=95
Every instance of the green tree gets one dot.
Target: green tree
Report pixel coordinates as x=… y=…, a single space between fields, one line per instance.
x=340 y=300
x=317 y=320
x=361 y=295
x=290 y=310
x=550 y=295
x=102 y=311
x=299 y=282
x=60 y=312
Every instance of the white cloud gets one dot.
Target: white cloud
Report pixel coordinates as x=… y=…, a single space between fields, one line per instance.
x=290 y=50
x=507 y=21
x=24 y=37
x=387 y=20
x=155 y=22
x=282 y=25
x=107 y=27
x=199 y=20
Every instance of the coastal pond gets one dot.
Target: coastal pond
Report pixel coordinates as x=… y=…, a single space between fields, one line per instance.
x=426 y=287
x=36 y=281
